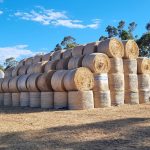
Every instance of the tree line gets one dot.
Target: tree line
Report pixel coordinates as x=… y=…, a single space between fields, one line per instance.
x=121 y=31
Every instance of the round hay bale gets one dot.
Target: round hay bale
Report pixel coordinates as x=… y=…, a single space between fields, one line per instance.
x=15 y=99
x=39 y=67
x=80 y=79
x=67 y=53
x=1 y=99
x=75 y=62
x=15 y=71
x=116 y=81
x=23 y=70
x=31 y=69
x=131 y=82
x=35 y=99
x=44 y=81
x=143 y=81
x=7 y=99
x=22 y=83
x=131 y=49
x=112 y=47
x=47 y=100
x=117 y=98
x=96 y=62
x=130 y=66
x=51 y=65
x=47 y=57
x=13 y=84
x=62 y=64
x=131 y=97
x=21 y=63
x=24 y=99
x=32 y=82
x=60 y=100
x=102 y=99
x=37 y=58
x=57 y=80
x=144 y=96
x=101 y=82
x=57 y=55
x=29 y=61
x=8 y=72
x=1 y=89
x=77 y=51
x=80 y=100
x=90 y=48
x=2 y=74
x=5 y=85
x=143 y=65
x=116 y=65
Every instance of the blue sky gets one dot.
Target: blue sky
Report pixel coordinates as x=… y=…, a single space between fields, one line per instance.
x=31 y=26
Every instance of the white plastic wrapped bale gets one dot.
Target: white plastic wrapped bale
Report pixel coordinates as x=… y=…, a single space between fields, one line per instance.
x=130 y=66
x=144 y=96
x=102 y=99
x=131 y=82
x=47 y=100
x=7 y=99
x=24 y=99
x=101 y=82
x=131 y=97
x=35 y=99
x=60 y=100
x=15 y=99
x=80 y=100
x=117 y=98
x=116 y=65
x=1 y=99
x=116 y=82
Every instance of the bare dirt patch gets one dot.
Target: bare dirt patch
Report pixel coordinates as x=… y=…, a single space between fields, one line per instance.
x=126 y=127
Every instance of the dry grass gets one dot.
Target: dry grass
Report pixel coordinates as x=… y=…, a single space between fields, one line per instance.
x=126 y=127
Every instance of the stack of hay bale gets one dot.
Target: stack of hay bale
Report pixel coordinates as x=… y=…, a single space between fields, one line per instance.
x=143 y=79
x=87 y=76
x=130 y=72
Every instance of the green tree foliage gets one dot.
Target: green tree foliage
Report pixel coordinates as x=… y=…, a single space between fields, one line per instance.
x=112 y=31
x=144 y=42
x=58 y=47
x=120 y=31
x=10 y=62
x=68 y=42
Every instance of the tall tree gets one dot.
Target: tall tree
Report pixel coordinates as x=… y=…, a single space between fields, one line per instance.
x=57 y=47
x=144 y=42
x=68 y=42
x=120 y=27
x=10 y=62
x=112 y=31
x=148 y=26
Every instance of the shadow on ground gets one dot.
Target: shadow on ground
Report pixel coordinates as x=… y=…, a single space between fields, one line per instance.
x=20 y=110
x=124 y=134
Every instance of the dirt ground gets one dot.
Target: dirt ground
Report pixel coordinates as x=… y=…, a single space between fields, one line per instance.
x=126 y=128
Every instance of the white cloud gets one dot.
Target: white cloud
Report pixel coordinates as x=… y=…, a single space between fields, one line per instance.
x=17 y=51
x=55 y=18
x=1 y=12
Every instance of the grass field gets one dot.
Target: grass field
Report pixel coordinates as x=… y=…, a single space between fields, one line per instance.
x=126 y=127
